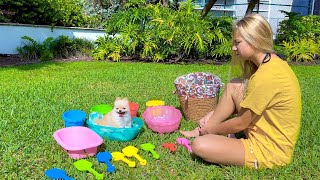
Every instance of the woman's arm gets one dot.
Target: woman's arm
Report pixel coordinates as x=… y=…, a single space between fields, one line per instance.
x=234 y=125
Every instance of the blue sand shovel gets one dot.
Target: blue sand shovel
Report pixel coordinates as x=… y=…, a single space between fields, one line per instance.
x=105 y=157
x=56 y=173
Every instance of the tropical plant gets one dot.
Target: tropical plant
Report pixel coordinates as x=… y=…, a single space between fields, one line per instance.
x=304 y=50
x=158 y=33
x=134 y=4
x=108 y=47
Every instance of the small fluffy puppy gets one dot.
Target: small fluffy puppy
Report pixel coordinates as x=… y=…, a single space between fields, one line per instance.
x=119 y=116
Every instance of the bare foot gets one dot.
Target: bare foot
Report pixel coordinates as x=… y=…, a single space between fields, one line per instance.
x=193 y=133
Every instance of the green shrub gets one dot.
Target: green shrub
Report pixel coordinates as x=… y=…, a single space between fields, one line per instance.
x=160 y=33
x=100 y=11
x=29 y=51
x=302 y=50
x=61 y=47
x=33 y=50
x=298 y=27
x=82 y=47
x=46 y=12
x=65 y=47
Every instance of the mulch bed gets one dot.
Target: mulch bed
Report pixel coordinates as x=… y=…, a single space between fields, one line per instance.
x=11 y=60
x=16 y=60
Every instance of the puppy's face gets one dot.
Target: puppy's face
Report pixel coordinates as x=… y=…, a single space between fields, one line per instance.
x=121 y=106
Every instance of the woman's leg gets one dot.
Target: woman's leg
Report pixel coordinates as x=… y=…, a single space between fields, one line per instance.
x=229 y=104
x=219 y=149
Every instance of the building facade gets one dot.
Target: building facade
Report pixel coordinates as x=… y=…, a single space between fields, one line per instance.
x=270 y=9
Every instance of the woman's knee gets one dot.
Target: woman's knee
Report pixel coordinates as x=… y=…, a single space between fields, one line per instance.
x=236 y=85
x=196 y=143
x=200 y=145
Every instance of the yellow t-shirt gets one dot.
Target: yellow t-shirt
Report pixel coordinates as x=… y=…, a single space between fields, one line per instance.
x=273 y=93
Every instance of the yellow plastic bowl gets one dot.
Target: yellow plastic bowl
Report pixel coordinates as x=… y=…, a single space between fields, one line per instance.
x=155 y=103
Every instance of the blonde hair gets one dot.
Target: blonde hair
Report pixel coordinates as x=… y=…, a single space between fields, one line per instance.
x=256 y=31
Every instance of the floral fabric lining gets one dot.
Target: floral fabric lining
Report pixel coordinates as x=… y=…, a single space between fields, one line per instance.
x=198 y=85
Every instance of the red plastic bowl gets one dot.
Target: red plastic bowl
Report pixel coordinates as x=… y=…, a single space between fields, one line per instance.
x=162 y=119
x=134 y=107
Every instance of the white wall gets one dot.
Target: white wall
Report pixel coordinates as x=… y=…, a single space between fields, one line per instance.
x=10 y=35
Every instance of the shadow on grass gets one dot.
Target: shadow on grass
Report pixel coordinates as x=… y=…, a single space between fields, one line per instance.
x=194 y=157
x=33 y=66
x=19 y=64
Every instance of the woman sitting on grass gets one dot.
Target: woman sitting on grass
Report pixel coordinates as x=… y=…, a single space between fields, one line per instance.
x=267 y=105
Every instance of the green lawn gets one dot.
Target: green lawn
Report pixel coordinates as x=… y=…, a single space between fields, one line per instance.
x=33 y=98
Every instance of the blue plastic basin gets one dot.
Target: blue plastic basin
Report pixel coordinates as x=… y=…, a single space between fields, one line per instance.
x=115 y=134
x=74 y=118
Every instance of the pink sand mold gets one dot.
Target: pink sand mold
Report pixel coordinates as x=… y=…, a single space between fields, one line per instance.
x=78 y=141
x=162 y=119
x=184 y=142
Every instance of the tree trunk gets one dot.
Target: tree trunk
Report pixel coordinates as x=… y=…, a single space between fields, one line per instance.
x=164 y=2
x=207 y=7
x=251 y=6
x=210 y=4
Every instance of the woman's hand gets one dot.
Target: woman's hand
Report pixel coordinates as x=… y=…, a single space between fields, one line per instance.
x=203 y=130
x=203 y=121
x=233 y=125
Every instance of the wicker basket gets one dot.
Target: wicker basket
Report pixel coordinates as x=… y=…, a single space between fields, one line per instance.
x=196 y=108
x=198 y=94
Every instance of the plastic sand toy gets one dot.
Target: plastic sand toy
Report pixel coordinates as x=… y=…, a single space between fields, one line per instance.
x=112 y=133
x=56 y=173
x=162 y=119
x=78 y=141
x=105 y=157
x=74 y=118
x=170 y=146
x=118 y=156
x=155 y=103
x=185 y=142
x=84 y=165
x=134 y=107
x=150 y=148
x=101 y=108
x=130 y=151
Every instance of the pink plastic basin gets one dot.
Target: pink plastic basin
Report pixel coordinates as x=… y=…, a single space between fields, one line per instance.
x=162 y=119
x=78 y=141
